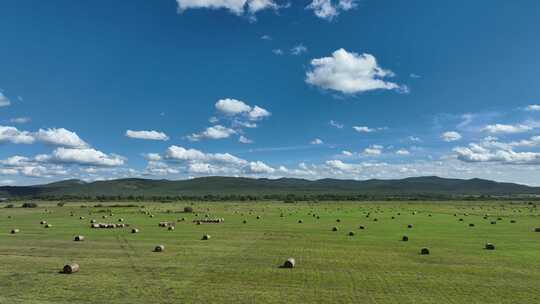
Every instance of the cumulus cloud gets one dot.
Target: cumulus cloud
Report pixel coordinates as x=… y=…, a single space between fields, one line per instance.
x=366 y=129
x=60 y=137
x=259 y=167
x=84 y=156
x=477 y=153
x=148 y=135
x=13 y=135
x=214 y=132
x=336 y=124
x=329 y=9
x=4 y=101
x=403 y=152
x=450 y=136
x=317 y=141
x=350 y=73
x=234 y=107
x=509 y=129
x=278 y=52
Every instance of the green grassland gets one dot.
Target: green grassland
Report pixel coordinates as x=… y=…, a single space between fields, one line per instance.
x=240 y=263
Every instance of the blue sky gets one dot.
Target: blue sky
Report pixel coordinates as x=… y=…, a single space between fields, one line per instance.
x=268 y=88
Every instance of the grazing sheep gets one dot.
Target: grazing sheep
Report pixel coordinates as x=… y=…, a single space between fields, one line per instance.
x=120 y=219
x=159 y=248
x=289 y=263
x=424 y=251
x=70 y=268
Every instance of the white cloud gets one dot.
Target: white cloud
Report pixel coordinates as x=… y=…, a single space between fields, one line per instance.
x=277 y=52
x=328 y=10
x=13 y=135
x=4 y=101
x=477 y=153
x=347 y=153
x=336 y=124
x=533 y=107
x=299 y=49
x=193 y=155
x=237 y=7
x=343 y=167
x=85 y=156
x=450 y=136
x=414 y=139
x=258 y=113
x=148 y=135
x=317 y=141
x=20 y=120
x=214 y=132
x=373 y=150
x=403 y=152
x=350 y=73
x=363 y=129
x=509 y=129
x=152 y=156
x=60 y=137
x=244 y=140
x=231 y=106
x=266 y=37
x=259 y=167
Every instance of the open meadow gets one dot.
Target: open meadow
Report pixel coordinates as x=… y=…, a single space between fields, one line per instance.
x=240 y=262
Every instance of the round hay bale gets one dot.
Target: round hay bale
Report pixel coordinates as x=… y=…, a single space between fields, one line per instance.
x=461 y=220
x=300 y=221
x=258 y=217
x=134 y=230
x=120 y=219
x=93 y=221
x=335 y=229
x=405 y=238
x=537 y=229
x=424 y=251
x=409 y=226
x=205 y=237
x=171 y=228
x=493 y=222
x=81 y=217
x=338 y=220
x=362 y=227
x=512 y=221
x=151 y=215
x=471 y=225
x=14 y=231
x=393 y=217
x=70 y=268
x=375 y=220
x=48 y=226
x=159 y=248
x=490 y=246
x=244 y=221
x=94 y=226
x=289 y=263
x=104 y=217
x=79 y=238
x=351 y=233
x=43 y=222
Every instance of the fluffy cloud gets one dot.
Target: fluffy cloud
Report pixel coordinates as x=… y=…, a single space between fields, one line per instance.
x=148 y=135
x=193 y=155
x=403 y=152
x=477 y=153
x=85 y=156
x=259 y=167
x=233 y=107
x=237 y=7
x=60 y=137
x=329 y=9
x=13 y=135
x=509 y=129
x=4 y=101
x=450 y=136
x=350 y=73
x=317 y=141
x=335 y=124
x=214 y=132
x=343 y=167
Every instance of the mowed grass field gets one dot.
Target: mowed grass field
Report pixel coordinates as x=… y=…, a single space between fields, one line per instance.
x=240 y=263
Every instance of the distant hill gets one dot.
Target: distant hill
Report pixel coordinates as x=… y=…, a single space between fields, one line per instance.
x=226 y=186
